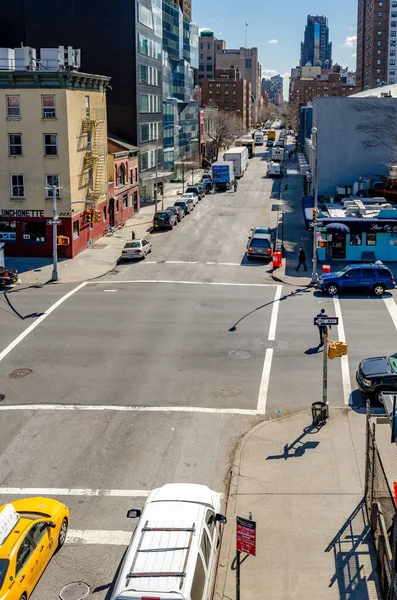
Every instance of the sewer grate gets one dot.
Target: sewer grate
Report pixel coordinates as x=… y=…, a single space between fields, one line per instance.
x=239 y=354
x=269 y=344
x=20 y=373
x=74 y=591
x=275 y=207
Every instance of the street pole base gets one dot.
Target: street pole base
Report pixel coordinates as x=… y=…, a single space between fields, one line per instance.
x=54 y=275
x=314 y=281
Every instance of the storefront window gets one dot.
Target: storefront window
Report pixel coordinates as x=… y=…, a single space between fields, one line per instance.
x=371 y=239
x=355 y=239
x=8 y=231
x=76 y=230
x=33 y=231
x=125 y=201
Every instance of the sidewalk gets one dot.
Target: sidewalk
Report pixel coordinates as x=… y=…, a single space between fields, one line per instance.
x=304 y=487
x=102 y=256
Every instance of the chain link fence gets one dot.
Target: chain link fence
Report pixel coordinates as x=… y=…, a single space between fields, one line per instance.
x=380 y=475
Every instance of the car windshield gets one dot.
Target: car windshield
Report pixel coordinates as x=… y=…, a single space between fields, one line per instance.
x=133 y=245
x=3 y=570
x=393 y=362
x=262 y=229
x=259 y=243
x=343 y=271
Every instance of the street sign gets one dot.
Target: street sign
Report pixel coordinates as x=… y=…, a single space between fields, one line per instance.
x=322 y=229
x=54 y=222
x=246 y=536
x=326 y=321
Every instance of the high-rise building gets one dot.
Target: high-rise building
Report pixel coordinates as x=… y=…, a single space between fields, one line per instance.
x=208 y=48
x=376 y=43
x=229 y=92
x=316 y=49
x=276 y=89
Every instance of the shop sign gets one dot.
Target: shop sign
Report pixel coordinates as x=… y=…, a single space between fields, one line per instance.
x=5 y=212
x=246 y=535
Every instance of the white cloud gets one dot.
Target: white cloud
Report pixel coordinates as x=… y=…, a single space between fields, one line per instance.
x=268 y=72
x=350 y=41
x=273 y=41
x=354 y=55
x=286 y=74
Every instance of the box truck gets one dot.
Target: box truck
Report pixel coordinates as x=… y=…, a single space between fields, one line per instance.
x=278 y=154
x=249 y=143
x=222 y=175
x=271 y=135
x=239 y=158
x=275 y=169
x=258 y=138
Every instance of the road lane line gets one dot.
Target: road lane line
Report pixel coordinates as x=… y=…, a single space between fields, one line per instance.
x=180 y=262
x=98 y=537
x=267 y=363
x=347 y=388
x=14 y=491
x=187 y=282
x=39 y=320
x=392 y=308
x=102 y=408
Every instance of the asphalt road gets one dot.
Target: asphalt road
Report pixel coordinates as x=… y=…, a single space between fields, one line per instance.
x=153 y=373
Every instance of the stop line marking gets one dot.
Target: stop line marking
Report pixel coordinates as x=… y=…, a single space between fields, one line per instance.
x=119 y=408
x=16 y=491
x=98 y=537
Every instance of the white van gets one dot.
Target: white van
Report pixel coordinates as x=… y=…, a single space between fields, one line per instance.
x=172 y=553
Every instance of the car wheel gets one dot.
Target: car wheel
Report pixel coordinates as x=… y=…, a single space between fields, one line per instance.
x=378 y=289
x=23 y=597
x=378 y=392
x=62 y=533
x=332 y=289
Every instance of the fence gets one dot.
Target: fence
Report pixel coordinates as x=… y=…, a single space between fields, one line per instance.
x=381 y=472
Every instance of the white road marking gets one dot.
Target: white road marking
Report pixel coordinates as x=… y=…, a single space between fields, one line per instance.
x=181 y=262
x=98 y=537
x=192 y=262
x=13 y=491
x=110 y=290
x=101 y=408
x=392 y=308
x=189 y=282
x=347 y=388
x=39 y=320
x=267 y=364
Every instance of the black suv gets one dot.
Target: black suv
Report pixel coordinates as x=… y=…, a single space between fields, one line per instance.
x=164 y=219
x=375 y=375
x=193 y=189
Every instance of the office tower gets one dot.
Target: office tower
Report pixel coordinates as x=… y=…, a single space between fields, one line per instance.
x=316 y=49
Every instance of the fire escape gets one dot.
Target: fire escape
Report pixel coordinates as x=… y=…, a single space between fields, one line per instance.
x=95 y=165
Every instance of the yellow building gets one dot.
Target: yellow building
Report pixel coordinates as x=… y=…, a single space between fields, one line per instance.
x=53 y=139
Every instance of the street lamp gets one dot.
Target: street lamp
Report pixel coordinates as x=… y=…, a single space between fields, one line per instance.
x=315 y=210
x=171 y=125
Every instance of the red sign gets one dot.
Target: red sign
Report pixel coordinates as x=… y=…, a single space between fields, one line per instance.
x=246 y=536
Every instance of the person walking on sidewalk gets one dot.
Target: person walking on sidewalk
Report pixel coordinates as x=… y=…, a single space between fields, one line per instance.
x=235 y=184
x=322 y=329
x=301 y=259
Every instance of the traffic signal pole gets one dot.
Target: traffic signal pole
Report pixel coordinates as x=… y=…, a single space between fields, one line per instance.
x=325 y=370
x=54 y=275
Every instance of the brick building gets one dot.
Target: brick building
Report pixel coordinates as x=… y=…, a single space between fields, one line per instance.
x=229 y=93
x=303 y=90
x=123 y=176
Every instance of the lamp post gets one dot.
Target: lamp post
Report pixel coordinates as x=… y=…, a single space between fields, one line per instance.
x=171 y=125
x=315 y=211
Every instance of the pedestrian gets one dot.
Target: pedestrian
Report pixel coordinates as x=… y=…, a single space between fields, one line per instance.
x=301 y=259
x=235 y=185
x=132 y=234
x=322 y=329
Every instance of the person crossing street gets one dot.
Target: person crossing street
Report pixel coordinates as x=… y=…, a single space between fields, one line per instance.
x=301 y=259
x=322 y=329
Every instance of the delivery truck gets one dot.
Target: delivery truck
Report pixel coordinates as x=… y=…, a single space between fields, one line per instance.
x=239 y=158
x=258 y=138
x=275 y=169
x=249 y=143
x=222 y=175
x=278 y=154
x=271 y=135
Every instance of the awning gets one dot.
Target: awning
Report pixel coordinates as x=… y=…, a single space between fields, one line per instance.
x=161 y=175
x=337 y=228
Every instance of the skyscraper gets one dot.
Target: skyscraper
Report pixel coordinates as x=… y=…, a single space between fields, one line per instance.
x=316 y=49
x=376 y=43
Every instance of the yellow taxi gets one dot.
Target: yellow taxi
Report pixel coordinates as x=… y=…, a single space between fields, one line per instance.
x=31 y=530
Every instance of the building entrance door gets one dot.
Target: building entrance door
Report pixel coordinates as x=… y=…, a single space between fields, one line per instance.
x=338 y=245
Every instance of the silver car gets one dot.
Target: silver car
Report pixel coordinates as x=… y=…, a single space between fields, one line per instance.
x=189 y=196
x=136 y=249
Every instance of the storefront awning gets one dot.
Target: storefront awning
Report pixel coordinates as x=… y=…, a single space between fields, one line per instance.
x=361 y=224
x=161 y=175
x=337 y=228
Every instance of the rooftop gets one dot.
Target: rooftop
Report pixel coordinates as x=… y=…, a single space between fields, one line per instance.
x=359 y=208
x=74 y=80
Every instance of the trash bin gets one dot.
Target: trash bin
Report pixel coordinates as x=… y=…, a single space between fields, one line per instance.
x=326 y=268
x=319 y=412
x=277 y=260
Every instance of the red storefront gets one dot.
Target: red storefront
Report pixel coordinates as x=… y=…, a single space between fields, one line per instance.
x=123 y=195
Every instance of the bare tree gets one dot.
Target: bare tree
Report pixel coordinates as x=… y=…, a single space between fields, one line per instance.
x=268 y=112
x=379 y=124
x=290 y=114
x=225 y=128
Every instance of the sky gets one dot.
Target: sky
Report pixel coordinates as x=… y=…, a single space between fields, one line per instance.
x=276 y=28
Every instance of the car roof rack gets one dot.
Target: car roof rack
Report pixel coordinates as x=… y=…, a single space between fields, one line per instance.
x=179 y=574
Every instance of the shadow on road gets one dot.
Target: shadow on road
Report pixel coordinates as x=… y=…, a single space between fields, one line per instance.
x=298 y=448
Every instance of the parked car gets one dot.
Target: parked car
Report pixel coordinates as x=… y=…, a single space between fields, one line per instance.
x=8 y=276
x=202 y=187
x=373 y=277
x=376 y=375
x=193 y=189
x=136 y=249
x=178 y=212
x=164 y=219
x=269 y=143
x=262 y=229
x=186 y=205
x=259 y=246
x=190 y=196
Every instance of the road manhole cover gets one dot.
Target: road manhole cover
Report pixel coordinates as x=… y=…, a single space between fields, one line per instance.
x=239 y=354
x=74 y=591
x=204 y=306
x=230 y=392
x=227 y=214
x=20 y=373
x=269 y=344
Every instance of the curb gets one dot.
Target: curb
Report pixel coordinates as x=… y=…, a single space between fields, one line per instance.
x=224 y=554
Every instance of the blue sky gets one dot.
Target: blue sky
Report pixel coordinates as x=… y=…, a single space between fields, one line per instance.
x=276 y=28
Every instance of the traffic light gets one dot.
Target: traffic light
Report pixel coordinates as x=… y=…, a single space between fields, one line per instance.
x=63 y=240
x=87 y=216
x=97 y=216
x=315 y=214
x=336 y=350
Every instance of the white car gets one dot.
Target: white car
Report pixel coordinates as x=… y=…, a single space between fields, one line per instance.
x=192 y=197
x=136 y=249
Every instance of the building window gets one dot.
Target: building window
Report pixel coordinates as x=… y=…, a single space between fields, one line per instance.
x=379 y=42
x=104 y=214
x=380 y=14
x=248 y=63
x=371 y=239
x=50 y=182
x=210 y=85
x=394 y=14
x=33 y=232
x=136 y=174
x=355 y=239
x=145 y=16
x=117 y=206
x=380 y=4
x=392 y=71
x=379 y=23
x=13 y=107
x=48 y=106
x=125 y=201
x=378 y=53
x=76 y=229
x=209 y=67
x=90 y=179
x=378 y=62
x=131 y=177
x=87 y=107
x=379 y=34
x=15 y=144
x=393 y=33
x=201 y=46
x=378 y=71
x=394 y=4
x=17 y=186
x=392 y=42
x=50 y=144
x=121 y=176
x=392 y=80
x=393 y=23
x=8 y=231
